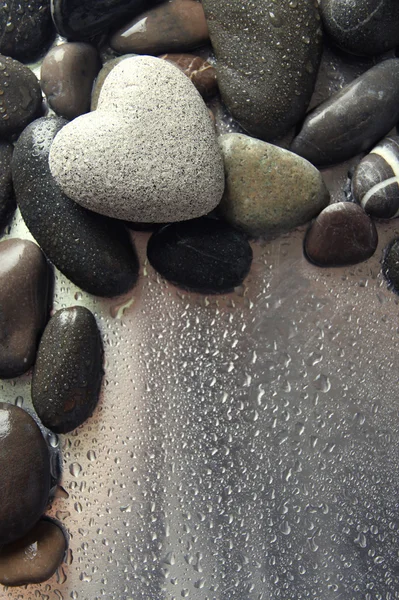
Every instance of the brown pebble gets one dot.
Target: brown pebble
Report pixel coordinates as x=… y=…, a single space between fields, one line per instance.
x=25 y=283
x=35 y=557
x=177 y=25
x=67 y=75
x=201 y=72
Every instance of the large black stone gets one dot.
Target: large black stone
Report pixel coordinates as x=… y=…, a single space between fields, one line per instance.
x=390 y=265
x=93 y=251
x=7 y=199
x=203 y=255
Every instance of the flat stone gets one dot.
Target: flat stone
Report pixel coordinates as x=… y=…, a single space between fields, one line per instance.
x=362 y=27
x=353 y=120
x=7 y=198
x=341 y=235
x=20 y=96
x=25 y=286
x=204 y=255
x=67 y=75
x=35 y=557
x=269 y=190
x=102 y=75
x=139 y=155
x=24 y=473
x=94 y=252
x=199 y=71
x=26 y=29
x=267 y=60
x=177 y=25
x=68 y=371
x=375 y=183
x=79 y=20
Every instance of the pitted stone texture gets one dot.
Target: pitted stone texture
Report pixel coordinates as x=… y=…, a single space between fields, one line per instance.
x=149 y=152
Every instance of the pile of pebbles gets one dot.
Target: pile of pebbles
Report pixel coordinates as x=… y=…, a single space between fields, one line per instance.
x=124 y=140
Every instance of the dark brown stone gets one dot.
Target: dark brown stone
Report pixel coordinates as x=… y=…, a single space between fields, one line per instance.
x=67 y=75
x=24 y=473
x=200 y=71
x=35 y=557
x=25 y=284
x=341 y=235
x=177 y=25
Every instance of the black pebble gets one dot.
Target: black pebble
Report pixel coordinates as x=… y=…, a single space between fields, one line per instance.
x=68 y=372
x=7 y=198
x=93 y=251
x=202 y=255
x=390 y=265
x=26 y=29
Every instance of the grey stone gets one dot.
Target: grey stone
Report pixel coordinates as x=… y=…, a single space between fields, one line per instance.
x=267 y=60
x=149 y=152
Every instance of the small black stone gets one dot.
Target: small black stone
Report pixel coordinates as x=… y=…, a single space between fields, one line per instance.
x=7 y=198
x=390 y=265
x=68 y=372
x=203 y=255
x=26 y=29
x=93 y=251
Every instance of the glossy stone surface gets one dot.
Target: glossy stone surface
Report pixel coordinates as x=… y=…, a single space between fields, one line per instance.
x=35 y=557
x=375 y=183
x=26 y=29
x=24 y=473
x=149 y=152
x=79 y=20
x=363 y=27
x=203 y=255
x=267 y=60
x=353 y=120
x=67 y=75
x=25 y=285
x=177 y=25
x=94 y=252
x=342 y=234
x=7 y=199
x=268 y=190
x=20 y=96
x=199 y=71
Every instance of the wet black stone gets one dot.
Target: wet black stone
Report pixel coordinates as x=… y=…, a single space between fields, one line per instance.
x=93 y=251
x=390 y=265
x=7 y=198
x=68 y=372
x=353 y=120
x=80 y=20
x=20 y=96
x=362 y=27
x=26 y=29
x=202 y=255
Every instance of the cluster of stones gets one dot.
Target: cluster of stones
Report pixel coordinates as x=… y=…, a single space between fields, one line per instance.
x=131 y=142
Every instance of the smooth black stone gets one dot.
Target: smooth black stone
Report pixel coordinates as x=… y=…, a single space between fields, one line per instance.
x=26 y=29
x=390 y=265
x=362 y=27
x=93 y=251
x=202 y=255
x=24 y=473
x=79 y=20
x=68 y=372
x=7 y=198
x=353 y=120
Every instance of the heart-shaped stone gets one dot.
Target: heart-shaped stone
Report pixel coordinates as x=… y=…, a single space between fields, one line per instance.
x=148 y=153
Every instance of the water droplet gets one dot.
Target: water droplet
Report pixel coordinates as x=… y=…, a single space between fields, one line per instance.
x=75 y=469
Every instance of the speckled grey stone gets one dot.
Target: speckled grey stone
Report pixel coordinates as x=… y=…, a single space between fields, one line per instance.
x=149 y=152
x=268 y=53
x=103 y=74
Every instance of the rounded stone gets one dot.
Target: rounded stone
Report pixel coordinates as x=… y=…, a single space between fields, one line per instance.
x=375 y=183
x=177 y=25
x=268 y=190
x=68 y=371
x=35 y=557
x=94 y=252
x=362 y=27
x=67 y=75
x=102 y=75
x=204 y=255
x=341 y=235
x=7 y=198
x=25 y=287
x=24 y=473
x=353 y=120
x=201 y=73
x=20 y=96
x=149 y=152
